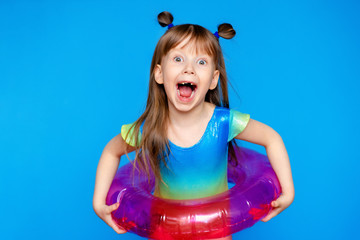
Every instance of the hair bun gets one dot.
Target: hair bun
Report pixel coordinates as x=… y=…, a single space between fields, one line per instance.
x=225 y=30
x=165 y=18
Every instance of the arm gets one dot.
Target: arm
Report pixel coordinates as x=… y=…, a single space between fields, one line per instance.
x=106 y=170
x=259 y=133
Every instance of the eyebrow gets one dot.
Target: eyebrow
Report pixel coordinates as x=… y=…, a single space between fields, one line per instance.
x=180 y=51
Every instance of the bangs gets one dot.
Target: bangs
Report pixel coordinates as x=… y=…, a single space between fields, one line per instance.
x=200 y=39
x=200 y=43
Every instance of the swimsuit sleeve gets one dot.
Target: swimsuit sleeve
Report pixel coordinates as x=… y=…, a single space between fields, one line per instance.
x=237 y=124
x=127 y=134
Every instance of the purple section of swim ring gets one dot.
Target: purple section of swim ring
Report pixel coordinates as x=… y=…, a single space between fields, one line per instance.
x=256 y=185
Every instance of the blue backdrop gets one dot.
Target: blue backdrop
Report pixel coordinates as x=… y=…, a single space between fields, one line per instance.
x=72 y=72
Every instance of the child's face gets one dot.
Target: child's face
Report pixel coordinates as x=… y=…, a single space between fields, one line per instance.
x=186 y=76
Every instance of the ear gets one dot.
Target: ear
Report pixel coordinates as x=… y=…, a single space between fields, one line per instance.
x=214 y=81
x=158 y=74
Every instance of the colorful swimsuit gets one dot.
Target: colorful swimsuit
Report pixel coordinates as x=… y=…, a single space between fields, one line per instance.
x=200 y=170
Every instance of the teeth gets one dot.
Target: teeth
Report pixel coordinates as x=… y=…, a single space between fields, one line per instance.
x=183 y=83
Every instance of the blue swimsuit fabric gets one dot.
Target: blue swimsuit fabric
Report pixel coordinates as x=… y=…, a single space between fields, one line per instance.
x=200 y=170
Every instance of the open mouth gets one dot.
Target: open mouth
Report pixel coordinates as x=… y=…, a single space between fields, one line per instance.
x=186 y=89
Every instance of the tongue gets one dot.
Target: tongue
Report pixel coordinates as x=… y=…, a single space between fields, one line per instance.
x=185 y=91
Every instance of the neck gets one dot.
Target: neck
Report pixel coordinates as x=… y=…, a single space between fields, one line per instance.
x=188 y=118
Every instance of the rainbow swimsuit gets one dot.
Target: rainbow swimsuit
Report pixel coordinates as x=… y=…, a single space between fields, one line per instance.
x=200 y=170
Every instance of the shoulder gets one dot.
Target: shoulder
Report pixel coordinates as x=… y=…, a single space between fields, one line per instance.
x=239 y=117
x=232 y=113
x=117 y=147
x=237 y=122
x=128 y=135
x=222 y=112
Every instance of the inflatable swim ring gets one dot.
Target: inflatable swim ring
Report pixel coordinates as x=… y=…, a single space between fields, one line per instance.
x=248 y=201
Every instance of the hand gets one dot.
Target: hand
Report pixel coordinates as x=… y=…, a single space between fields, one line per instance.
x=279 y=205
x=104 y=212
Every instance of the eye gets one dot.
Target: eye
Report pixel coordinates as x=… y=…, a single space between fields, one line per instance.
x=202 y=62
x=177 y=59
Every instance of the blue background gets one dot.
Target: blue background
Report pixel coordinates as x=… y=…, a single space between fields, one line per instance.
x=72 y=72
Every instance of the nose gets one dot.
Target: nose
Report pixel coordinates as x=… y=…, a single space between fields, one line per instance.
x=189 y=69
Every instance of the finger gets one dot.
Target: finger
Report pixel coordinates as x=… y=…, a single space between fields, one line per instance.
x=113 y=207
x=272 y=214
x=114 y=226
x=118 y=230
x=275 y=204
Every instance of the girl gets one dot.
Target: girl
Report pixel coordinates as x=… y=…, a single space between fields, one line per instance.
x=184 y=117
